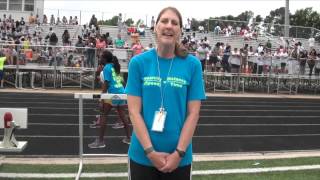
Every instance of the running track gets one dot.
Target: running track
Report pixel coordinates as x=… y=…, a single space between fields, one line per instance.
x=227 y=124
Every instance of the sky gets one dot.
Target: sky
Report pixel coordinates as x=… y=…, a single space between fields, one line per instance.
x=145 y=9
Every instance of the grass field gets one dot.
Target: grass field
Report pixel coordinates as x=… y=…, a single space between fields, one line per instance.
x=210 y=165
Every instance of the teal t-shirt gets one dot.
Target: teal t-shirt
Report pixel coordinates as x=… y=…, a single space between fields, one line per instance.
x=115 y=80
x=184 y=83
x=119 y=43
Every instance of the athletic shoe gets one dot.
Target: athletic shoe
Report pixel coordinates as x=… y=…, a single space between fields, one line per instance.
x=96 y=144
x=126 y=140
x=94 y=124
x=118 y=125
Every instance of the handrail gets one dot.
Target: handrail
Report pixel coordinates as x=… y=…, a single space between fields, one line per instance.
x=81 y=97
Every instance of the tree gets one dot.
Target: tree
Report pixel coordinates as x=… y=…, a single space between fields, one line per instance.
x=129 y=22
x=258 y=19
x=307 y=18
x=140 y=21
x=275 y=17
x=110 y=22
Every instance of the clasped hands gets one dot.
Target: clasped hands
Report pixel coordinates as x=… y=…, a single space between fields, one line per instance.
x=165 y=162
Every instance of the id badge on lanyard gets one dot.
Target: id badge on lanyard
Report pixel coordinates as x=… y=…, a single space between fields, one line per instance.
x=159 y=120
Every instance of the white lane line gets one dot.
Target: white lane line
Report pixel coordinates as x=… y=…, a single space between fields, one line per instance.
x=256 y=170
x=254 y=105
x=202 y=124
x=201 y=116
x=257 y=124
x=197 y=172
x=209 y=136
x=259 y=110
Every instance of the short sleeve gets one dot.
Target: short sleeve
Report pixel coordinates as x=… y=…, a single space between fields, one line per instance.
x=107 y=73
x=196 y=88
x=133 y=86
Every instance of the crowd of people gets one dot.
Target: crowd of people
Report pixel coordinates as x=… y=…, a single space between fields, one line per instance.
x=29 y=41
x=214 y=57
x=290 y=57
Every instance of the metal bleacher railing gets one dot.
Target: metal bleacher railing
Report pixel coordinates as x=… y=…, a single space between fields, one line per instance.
x=42 y=67
x=292 y=79
x=45 y=66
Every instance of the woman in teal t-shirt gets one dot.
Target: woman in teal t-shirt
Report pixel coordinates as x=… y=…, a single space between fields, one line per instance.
x=165 y=88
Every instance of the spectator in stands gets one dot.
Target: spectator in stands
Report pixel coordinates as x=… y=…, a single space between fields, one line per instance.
x=38 y=29
x=100 y=45
x=52 y=20
x=152 y=24
x=312 y=60
x=302 y=58
x=215 y=56
x=109 y=39
x=217 y=30
x=206 y=41
x=2 y=61
x=84 y=31
x=235 y=61
x=260 y=62
x=91 y=44
x=58 y=21
x=202 y=53
x=225 y=59
x=119 y=43
x=131 y=30
x=75 y=20
x=80 y=44
x=201 y=29
x=137 y=48
x=141 y=29
x=70 y=21
x=64 y=20
x=268 y=46
x=22 y=22
x=93 y=21
x=188 y=25
x=157 y=153
x=66 y=38
x=44 y=19
x=244 y=58
x=112 y=83
x=317 y=66
x=31 y=19
x=311 y=41
x=37 y=19
x=101 y=42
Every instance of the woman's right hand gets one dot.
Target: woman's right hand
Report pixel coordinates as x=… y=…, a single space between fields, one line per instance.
x=158 y=159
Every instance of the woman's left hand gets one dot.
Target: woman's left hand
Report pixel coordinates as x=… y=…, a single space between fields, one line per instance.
x=173 y=161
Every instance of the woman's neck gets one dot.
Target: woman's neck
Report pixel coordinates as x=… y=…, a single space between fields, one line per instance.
x=165 y=51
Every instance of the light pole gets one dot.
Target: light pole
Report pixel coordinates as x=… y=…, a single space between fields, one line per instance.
x=286 y=20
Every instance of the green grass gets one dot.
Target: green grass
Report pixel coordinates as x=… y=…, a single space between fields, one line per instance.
x=210 y=165
x=249 y=163
x=290 y=175
x=22 y=168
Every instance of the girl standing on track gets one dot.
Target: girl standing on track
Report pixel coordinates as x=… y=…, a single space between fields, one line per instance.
x=112 y=83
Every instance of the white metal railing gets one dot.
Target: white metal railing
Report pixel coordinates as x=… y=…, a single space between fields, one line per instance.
x=81 y=97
